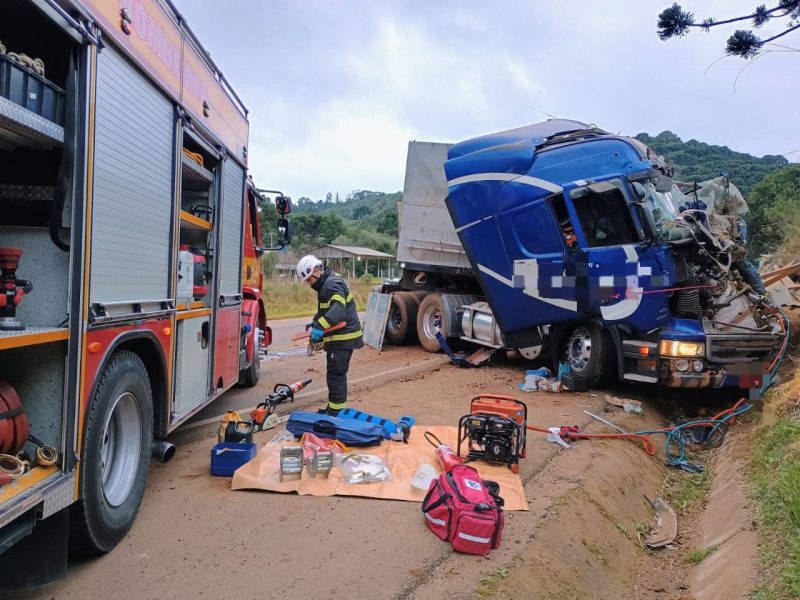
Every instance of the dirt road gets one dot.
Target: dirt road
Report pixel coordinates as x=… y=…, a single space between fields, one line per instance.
x=196 y=538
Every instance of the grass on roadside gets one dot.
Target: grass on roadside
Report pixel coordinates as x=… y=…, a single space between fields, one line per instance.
x=490 y=583
x=291 y=298
x=775 y=479
x=695 y=557
x=686 y=492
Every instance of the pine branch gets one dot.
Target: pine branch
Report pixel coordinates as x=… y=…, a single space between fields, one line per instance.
x=775 y=37
x=757 y=13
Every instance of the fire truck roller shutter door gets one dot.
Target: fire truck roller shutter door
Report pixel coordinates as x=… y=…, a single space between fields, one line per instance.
x=230 y=255
x=133 y=185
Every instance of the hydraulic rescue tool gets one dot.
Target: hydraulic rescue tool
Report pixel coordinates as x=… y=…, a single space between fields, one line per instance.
x=316 y=346
x=282 y=392
x=12 y=289
x=495 y=428
x=233 y=429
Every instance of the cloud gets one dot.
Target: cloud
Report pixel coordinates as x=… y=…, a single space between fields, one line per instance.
x=337 y=89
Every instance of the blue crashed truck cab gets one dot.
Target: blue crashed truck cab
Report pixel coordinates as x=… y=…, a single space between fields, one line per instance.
x=571 y=228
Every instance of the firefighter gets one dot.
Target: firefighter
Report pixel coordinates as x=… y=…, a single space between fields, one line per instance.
x=336 y=304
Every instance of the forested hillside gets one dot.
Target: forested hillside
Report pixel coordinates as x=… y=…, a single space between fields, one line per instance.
x=363 y=218
x=698 y=160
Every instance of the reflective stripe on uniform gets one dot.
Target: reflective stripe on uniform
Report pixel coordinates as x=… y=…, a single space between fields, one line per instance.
x=323 y=322
x=337 y=405
x=338 y=298
x=342 y=336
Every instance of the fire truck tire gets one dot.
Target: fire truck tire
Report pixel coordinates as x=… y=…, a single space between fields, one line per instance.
x=431 y=309
x=401 y=326
x=115 y=458
x=249 y=377
x=589 y=350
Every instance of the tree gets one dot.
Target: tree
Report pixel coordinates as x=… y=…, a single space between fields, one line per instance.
x=774 y=209
x=388 y=224
x=315 y=229
x=676 y=22
x=269 y=261
x=361 y=212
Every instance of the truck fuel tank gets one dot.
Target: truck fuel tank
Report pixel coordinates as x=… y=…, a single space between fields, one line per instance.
x=478 y=324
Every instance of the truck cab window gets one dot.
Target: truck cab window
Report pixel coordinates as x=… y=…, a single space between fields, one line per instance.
x=604 y=215
x=564 y=222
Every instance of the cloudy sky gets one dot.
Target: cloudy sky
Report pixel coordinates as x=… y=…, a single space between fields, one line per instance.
x=337 y=88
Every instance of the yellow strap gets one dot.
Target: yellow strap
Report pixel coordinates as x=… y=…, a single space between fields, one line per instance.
x=337 y=405
x=342 y=336
x=324 y=322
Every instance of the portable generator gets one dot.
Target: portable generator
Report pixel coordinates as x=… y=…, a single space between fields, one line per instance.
x=495 y=429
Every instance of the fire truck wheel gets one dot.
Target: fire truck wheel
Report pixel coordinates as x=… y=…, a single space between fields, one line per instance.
x=116 y=456
x=401 y=326
x=249 y=377
x=431 y=310
x=589 y=351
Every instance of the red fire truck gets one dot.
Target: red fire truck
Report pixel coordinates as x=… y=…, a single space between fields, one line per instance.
x=130 y=283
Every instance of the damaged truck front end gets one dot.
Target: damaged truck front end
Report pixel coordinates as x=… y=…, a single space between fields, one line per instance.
x=586 y=233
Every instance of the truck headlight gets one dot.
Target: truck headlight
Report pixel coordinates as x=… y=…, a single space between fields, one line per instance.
x=677 y=348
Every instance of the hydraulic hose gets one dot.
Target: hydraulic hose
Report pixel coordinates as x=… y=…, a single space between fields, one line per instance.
x=676 y=441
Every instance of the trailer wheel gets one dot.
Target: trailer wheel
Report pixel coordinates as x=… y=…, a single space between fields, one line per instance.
x=401 y=326
x=431 y=310
x=589 y=351
x=115 y=458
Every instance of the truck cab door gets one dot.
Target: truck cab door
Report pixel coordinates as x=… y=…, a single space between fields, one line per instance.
x=617 y=262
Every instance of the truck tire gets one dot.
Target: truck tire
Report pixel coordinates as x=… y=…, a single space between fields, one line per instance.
x=249 y=377
x=431 y=309
x=401 y=326
x=115 y=458
x=589 y=350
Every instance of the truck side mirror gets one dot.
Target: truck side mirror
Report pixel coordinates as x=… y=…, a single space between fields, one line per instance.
x=283 y=204
x=284 y=232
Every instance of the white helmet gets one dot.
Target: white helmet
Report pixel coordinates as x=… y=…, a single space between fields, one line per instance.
x=306 y=265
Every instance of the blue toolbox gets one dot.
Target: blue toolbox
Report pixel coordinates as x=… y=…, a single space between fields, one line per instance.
x=226 y=457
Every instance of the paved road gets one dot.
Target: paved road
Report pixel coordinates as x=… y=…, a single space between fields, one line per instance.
x=284 y=329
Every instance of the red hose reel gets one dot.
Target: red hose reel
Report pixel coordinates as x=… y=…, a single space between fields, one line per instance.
x=13 y=421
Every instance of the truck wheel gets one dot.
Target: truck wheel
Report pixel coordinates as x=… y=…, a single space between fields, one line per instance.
x=401 y=326
x=431 y=310
x=589 y=351
x=115 y=458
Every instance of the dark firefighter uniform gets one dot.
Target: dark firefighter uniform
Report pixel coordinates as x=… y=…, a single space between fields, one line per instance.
x=336 y=304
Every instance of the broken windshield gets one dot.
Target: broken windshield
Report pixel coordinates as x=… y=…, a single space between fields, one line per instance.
x=661 y=206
